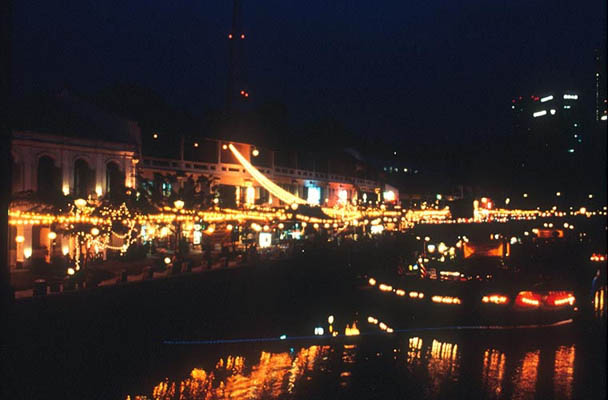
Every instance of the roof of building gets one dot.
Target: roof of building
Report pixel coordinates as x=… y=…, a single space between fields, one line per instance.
x=66 y=114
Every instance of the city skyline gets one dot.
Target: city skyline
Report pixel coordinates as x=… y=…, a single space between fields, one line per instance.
x=419 y=73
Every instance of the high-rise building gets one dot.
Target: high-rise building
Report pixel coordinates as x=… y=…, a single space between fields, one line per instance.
x=601 y=102
x=551 y=123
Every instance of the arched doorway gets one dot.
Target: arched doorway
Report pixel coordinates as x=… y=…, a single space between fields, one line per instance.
x=115 y=179
x=16 y=175
x=83 y=179
x=48 y=178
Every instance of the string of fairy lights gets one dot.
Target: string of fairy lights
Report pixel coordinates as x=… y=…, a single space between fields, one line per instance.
x=97 y=227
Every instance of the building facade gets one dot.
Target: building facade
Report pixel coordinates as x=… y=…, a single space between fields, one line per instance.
x=48 y=167
x=238 y=188
x=45 y=168
x=550 y=123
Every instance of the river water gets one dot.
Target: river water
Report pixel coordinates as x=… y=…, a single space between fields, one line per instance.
x=566 y=362
x=250 y=334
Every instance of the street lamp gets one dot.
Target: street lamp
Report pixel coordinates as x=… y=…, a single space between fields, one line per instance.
x=179 y=205
x=52 y=236
x=80 y=203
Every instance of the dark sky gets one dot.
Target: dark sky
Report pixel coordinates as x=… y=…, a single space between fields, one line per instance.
x=426 y=70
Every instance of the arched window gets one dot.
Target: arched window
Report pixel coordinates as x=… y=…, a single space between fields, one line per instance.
x=48 y=179
x=83 y=179
x=16 y=175
x=115 y=179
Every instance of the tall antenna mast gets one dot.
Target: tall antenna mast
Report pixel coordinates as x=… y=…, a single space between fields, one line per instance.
x=236 y=81
x=598 y=81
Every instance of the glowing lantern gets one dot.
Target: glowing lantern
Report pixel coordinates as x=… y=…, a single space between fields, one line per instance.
x=80 y=203
x=265 y=239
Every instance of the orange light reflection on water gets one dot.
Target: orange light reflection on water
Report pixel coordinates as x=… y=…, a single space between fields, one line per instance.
x=443 y=364
x=524 y=379
x=413 y=349
x=493 y=371
x=272 y=376
x=564 y=370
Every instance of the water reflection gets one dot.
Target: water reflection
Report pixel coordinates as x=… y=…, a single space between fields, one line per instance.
x=272 y=375
x=493 y=371
x=563 y=371
x=443 y=364
x=524 y=379
x=413 y=350
x=598 y=303
x=348 y=360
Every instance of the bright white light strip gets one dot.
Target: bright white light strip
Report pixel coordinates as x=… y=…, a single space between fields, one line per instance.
x=273 y=188
x=539 y=113
x=547 y=99
x=604 y=117
x=570 y=97
x=314 y=195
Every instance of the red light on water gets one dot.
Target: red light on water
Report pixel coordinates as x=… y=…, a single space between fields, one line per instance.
x=528 y=299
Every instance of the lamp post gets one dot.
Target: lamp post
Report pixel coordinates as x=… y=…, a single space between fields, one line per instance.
x=52 y=236
x=179 y=205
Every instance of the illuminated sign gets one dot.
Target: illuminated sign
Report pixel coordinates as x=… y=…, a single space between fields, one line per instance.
x=570 y=97
x=375 y=229
x=196 y=237
x=389 y=195
x=547 y=98
x=342 y=196
x=539 y=113
x=314 y=195
x=250 y=195
x=265 y=239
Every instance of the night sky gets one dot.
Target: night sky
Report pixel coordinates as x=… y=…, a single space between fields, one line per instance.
x=426 y=71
